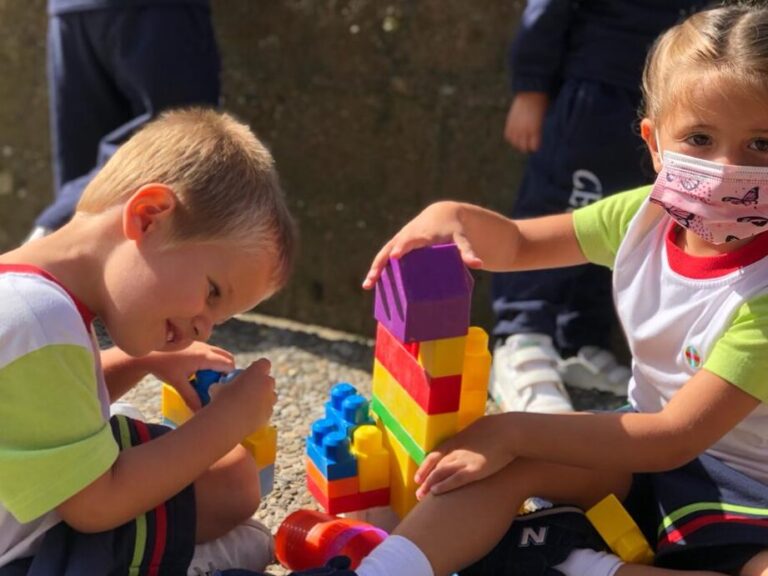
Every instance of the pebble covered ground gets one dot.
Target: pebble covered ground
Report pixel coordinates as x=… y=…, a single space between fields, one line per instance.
x=306 y=362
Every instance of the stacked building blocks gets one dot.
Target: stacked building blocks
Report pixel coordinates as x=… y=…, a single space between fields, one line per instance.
x=262 y=444
x=619 y=531
x=430 y=376
x=347 y=465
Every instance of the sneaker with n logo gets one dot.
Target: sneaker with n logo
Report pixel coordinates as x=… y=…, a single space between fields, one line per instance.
x=538 y=541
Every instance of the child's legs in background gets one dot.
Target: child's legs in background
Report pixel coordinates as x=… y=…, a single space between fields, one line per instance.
x=459 y=527
x=226 y=495
x=590 y=149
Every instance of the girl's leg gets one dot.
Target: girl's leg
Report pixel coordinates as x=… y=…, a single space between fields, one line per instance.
x=757 y=566
x=226 y=495
x=459 y=527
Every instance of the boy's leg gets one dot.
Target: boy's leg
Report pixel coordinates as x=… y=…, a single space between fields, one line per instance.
x=226 y=495
x=459 y=527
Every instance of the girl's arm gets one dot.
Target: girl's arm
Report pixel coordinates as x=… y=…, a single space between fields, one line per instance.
x=486 y=239
x=703 y=411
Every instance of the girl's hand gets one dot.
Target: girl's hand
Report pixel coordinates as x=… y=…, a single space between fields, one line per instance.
x=471 y=455
x=176 y=368
x=251 y=394
x=439 y=223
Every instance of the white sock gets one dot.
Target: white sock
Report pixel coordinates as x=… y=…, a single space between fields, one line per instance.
x=587 y=562
x=396 y=556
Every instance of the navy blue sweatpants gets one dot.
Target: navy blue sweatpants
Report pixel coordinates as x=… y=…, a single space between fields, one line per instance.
x=109 y=72
x=590 y=148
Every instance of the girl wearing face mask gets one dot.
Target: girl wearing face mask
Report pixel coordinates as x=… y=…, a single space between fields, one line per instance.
x=689 y=255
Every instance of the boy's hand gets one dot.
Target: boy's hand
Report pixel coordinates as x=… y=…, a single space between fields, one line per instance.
x=471 y=455
x=251 y=394
x=439 y=223
x=176 y=368
x=525 y=119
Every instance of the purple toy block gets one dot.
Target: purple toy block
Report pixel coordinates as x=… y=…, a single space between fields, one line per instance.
x=425 y=295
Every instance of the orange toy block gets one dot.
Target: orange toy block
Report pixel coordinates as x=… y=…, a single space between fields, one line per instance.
x=332 y=488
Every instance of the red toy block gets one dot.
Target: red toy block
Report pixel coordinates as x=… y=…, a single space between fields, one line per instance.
x=434 y=395
x=341 y=504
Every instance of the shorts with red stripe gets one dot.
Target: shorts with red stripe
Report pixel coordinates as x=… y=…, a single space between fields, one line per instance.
x=702 y=516
x=158 y=543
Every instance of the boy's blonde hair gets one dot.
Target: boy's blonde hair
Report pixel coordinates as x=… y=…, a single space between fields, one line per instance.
x=730 y=41
x=224 y=179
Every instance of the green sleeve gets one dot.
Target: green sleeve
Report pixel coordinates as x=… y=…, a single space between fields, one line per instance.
x=600 y=227
x=54 y=440
x=739 y=356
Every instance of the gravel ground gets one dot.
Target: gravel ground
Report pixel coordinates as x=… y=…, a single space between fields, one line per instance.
x=306 y=362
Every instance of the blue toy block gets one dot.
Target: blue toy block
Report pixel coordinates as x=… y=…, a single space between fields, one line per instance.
x=347 y=409
x=329 y=449
x=267 y=480
x=204 y=379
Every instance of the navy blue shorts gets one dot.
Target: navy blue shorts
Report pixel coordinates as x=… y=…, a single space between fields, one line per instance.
x=702 y=516
x=158 y=543
x=538 y=541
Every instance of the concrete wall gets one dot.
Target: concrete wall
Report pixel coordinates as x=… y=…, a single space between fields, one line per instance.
x=372 y=110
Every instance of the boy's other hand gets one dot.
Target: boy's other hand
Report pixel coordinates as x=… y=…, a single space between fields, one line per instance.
x=252 y=395
x=439 y=223
x=525 y=119
x=471 y=455
x=176 y=368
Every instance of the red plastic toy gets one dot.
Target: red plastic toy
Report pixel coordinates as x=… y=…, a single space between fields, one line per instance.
x=310 y=538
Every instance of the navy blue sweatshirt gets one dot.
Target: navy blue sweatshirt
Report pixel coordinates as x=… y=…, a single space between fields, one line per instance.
x=603 y=40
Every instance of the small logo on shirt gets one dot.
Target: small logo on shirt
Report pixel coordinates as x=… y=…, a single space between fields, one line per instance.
x=692 y=357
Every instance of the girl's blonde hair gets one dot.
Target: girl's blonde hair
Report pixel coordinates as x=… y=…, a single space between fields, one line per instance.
x=730 y=41
x=223 y=177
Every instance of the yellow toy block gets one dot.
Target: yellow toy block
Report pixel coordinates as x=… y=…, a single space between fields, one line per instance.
x=402 y=487
x=443 y=357
x=477 y=361
x=619 y=531
x=427 y=430
x=175 y=411
x=262 y=444
x=372 y=457
x=471 y=407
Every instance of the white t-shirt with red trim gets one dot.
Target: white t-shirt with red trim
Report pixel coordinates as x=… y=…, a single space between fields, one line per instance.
x=681 y=313
x=55 y=437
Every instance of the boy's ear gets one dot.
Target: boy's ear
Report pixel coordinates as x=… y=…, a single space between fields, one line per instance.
x=150 y=206
x=648 y=133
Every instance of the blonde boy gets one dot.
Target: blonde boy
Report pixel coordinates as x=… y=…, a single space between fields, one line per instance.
x=184 y=227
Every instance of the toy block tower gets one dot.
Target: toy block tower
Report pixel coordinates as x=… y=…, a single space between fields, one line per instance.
x=347 y=465
x=430 y=374
x=430 y=380
x=261 y=444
